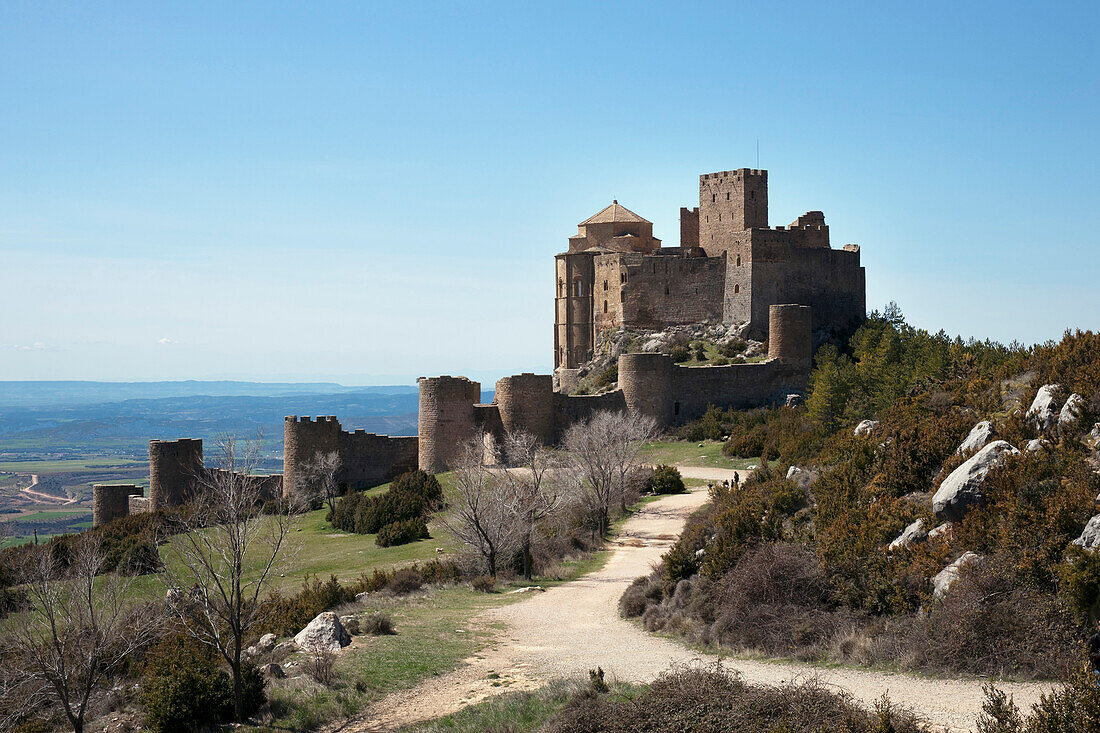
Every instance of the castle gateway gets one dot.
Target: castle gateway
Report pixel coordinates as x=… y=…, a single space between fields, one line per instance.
x=730 y=268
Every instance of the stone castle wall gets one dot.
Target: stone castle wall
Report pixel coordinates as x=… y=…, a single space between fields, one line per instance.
x=174 y=466
x=446 y=419
x=365 y=459
x=654 y=291
x=112 y=501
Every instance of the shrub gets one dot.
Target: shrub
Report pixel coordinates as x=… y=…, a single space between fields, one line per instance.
x=402 y=533
x=141 y=558
x=694 y=699
x=733 y=348
x=484 y=584
x=421 y=483
x=377 y=624
x=680 y=354
x=288 y=615
x=321 y=668
x=608 y=376
x=700 y=354
x=404 y=582
x=665 y=480
x=184 y=689
x=1074 y=708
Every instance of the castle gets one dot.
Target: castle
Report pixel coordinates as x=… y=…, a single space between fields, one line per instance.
x=730 y=268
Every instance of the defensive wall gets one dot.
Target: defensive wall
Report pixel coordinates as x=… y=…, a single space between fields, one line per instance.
x=365 y=459
x=176 y=475
x=649 y=384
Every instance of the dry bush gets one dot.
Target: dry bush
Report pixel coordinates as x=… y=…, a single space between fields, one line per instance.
x=713 y=699
x=404 y=582
x=484 y=584
x=321 y=668
x=990 y=623
x=377 y=624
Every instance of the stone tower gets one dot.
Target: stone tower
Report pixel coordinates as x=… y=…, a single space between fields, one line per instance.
x=174 y=467
x=446 y=419
x=729 y=203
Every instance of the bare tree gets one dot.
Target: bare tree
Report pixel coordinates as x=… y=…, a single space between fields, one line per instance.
x=224 y=556
x=74 y=635
x=533 y=493
x=602 y=455
x=481 y=516
x=322 y=474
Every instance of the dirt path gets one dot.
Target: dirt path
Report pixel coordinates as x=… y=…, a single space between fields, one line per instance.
x=575 y=627
x=29 y=491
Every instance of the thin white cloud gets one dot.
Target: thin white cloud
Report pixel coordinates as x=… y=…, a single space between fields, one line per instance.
x=36 y=346
x=167 y=341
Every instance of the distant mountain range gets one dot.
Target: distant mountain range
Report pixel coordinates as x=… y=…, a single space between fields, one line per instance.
x=112 y=418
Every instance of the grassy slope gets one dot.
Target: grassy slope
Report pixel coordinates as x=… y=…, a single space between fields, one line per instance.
x=707 y=454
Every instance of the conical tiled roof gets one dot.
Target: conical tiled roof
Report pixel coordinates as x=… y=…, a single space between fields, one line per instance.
x=614 y=213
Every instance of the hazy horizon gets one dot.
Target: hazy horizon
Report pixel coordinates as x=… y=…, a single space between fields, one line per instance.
x=366 y=194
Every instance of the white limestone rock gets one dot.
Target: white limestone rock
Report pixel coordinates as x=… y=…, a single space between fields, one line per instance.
x=962 y=490
x=1071 y=411
x=793 y=471
x=1036 y=444
x=940 y=530
x=945 y=578
x=979 y=435
x=864 y=428
x=1090 y=536
x=1044 y=408
x=911 y=535
x=323 y=634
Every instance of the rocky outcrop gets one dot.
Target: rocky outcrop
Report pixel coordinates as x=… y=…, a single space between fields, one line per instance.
x=1036 y=444
x=265 y=645
x=865 y=428
x=1043 y=412
x=963 y=489
x=946 y=578
x=911 y=535
x=323 y=634
x=940 y=530
x=1090 y=536
x=1071 y=411
x=351 y=623
x=979 y=435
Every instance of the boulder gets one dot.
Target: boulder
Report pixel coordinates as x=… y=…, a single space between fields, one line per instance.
x=979 y=435
x=1036 y=444
x=864 y=428
x=962 y=490
x=323 y=634
x=793 y=471
x=266 y=643
x=273 y=670
x=911 y=535
x=946 y=578
x=1072 y=410
x=1044 y=408
x=940 y=530
x=1090 y=536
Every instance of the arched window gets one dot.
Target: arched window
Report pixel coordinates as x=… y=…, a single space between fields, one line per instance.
x=622 y=296
x=605 y=284
x=605 y=306
x=578 y=288
x=622 y=277
x=736 y=288
x=561 y=288
x=738 y=260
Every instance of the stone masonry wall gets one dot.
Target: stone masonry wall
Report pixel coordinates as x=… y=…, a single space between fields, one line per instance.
x=111 y=501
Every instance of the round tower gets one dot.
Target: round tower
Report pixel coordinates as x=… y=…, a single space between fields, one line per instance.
x=526 y=403
x=790 y=335
x=303 y=439
x=446 y=419
x=646 y=381
x=111 y=501
x=174 y=467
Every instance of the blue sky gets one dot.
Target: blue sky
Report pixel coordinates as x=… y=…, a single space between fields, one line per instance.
x=368 y=193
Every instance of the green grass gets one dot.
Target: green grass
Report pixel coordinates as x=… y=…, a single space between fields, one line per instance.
x=48 y=515
x=67 y=465
x=707 y=454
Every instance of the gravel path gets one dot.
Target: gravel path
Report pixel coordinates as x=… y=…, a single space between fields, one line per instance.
x=574 y=627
